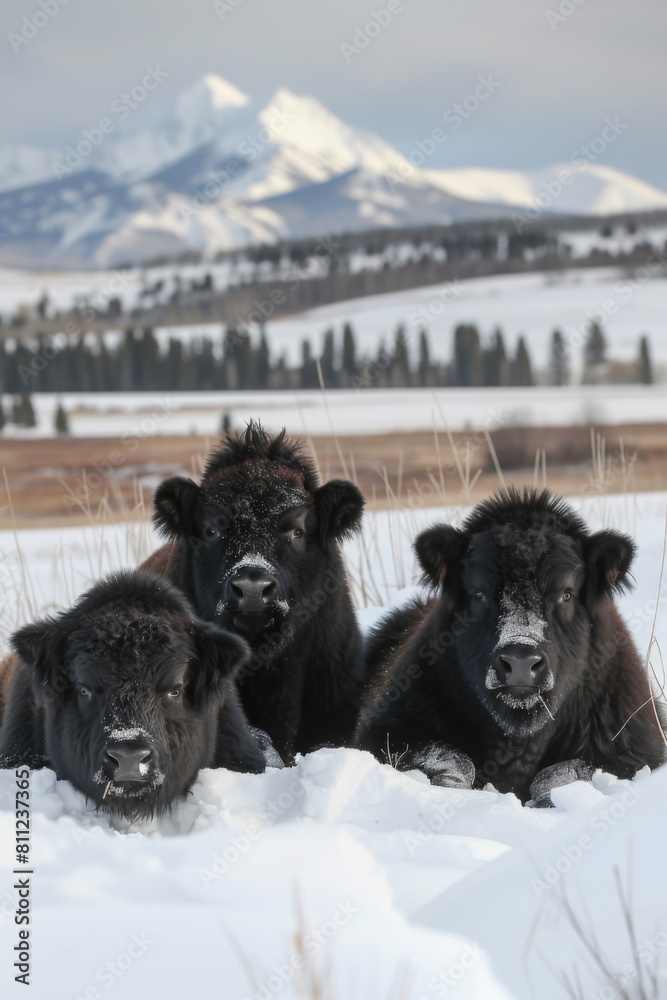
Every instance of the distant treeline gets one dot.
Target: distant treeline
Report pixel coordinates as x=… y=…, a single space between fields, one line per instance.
x=233 y=361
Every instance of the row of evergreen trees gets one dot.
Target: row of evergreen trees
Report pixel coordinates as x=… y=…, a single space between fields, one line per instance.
x=234 y=361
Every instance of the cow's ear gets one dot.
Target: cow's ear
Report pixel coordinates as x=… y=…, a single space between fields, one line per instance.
x=219 y=654
x=339 y=506
x=174 y=506
x=42 y=647
x=440 y=550
x=608 y=556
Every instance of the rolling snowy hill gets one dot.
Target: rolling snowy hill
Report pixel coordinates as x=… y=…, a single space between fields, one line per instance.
x=212 y=170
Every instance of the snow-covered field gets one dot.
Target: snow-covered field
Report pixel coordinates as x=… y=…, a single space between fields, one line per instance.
x=355 y=412
x=341 y=870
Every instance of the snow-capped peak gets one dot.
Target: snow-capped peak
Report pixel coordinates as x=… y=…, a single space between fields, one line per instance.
x=223 y=94
x=311 y=143
x=166 y=131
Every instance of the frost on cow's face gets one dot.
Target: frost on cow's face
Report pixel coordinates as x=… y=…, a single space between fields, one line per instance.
x=130 y=688
x=522 y=596
x=258 y=539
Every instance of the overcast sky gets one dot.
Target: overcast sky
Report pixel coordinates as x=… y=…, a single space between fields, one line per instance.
x=559 y=81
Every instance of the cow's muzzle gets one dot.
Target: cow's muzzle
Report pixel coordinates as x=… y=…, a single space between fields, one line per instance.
x=521 y=671
x=254 y=599
x=130 y=764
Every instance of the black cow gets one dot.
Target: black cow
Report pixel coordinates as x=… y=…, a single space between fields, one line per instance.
x=127 y=695
x=255 y=548
x=521 y=666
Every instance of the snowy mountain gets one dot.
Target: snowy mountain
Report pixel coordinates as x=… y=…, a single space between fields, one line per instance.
x=21 y=165
x=212 y=170
x=593 y=190
x=166 y=133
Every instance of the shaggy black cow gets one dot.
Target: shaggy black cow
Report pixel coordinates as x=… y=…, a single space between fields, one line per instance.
x=127 y=695
x=521 y=661
x=255 y=549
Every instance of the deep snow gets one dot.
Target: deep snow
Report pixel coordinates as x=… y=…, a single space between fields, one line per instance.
x=386 y=879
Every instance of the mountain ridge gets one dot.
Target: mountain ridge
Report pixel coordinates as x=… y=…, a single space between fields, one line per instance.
x=211 y=169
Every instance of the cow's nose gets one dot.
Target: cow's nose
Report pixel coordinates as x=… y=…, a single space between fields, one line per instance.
x=129 y=761
x=519 y=666
x=252 y=588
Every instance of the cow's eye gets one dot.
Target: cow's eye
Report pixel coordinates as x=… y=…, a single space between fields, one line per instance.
x=210 y=531
x=566 y=596
x=478 y=596
x=85 y=692
x=175 y=693
x=297 y=533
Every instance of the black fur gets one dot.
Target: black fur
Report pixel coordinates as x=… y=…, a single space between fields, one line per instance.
x=523 y=590
x=130 y=661
x=260 y=509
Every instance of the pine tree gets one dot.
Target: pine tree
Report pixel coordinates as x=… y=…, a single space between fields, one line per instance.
x=327 y=360
x=28 y=412
x=400 y=363
x=23 y=414
x=43 y=305
x=61 y=422
x=645 y=362
x=206 y=369
x=245 y=360
x=381 y=367
x=424 y=367
x=349 y=352
x=308 y=375
x=126 y=361
x=523 y=372
x=262 y=362
x=174 y=376
x=495 y=362
x=467 y=356
x=595 y=347
x=149 y=364
x=559 y=362
x=226 y=422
